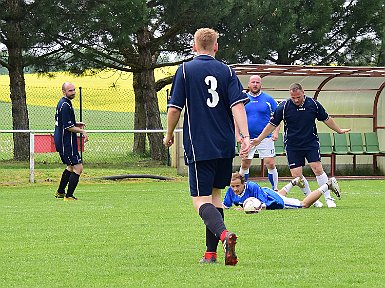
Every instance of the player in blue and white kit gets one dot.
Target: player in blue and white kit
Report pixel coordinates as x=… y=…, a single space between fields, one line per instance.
x=301 y=139
x=259 y=110
x=212 y=97
x=66 y=143
x=240 y=190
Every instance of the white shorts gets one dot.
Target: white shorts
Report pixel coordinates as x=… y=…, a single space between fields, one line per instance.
x=265 y=149
x=290 y=203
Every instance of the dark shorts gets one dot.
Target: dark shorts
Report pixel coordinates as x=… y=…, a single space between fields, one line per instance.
x=71 y=160
x=297 y=158
x=206 y=175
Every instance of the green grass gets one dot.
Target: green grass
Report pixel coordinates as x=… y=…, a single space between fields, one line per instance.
x=17 y=173
x=146 y=234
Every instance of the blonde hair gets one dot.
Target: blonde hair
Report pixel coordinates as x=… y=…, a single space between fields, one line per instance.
x=205 y=38
x=236 y=176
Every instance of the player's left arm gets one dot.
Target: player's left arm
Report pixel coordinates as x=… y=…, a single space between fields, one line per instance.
x=333 y=125
x=76 y=129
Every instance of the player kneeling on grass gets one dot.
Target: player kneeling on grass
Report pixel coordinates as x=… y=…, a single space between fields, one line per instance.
x=240 y=190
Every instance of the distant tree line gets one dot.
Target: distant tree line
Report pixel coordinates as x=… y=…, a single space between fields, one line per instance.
x=139 y=36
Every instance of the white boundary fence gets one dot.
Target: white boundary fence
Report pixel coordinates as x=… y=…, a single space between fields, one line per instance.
x=32 y=133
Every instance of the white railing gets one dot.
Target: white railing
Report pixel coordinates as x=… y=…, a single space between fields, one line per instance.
x=32 y=142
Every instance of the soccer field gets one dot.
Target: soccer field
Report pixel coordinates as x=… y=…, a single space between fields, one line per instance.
x=145 y=233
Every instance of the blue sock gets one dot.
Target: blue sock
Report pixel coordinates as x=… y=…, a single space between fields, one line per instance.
x=246 y=176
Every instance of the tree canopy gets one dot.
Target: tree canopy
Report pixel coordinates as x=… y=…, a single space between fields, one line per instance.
x=305 y=32
x=139 y=36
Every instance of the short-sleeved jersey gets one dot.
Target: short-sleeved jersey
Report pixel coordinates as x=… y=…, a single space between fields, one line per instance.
x=300 y=127
x=259 y=111
x=267 y=196
x=207 y=89
x=65 y=141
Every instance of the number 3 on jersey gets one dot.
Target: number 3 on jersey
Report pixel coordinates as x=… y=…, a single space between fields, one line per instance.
x=211 y=81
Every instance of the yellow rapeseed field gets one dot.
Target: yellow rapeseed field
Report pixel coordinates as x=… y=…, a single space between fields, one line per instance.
x=106 y=90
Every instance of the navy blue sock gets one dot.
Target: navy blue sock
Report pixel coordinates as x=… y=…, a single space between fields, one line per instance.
x=73 y=182
x=212 y=240
x=212 y=219
x=65 y=177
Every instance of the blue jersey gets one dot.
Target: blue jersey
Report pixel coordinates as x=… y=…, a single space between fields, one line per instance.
x=267 y=196
x=300 y=127
x=259 y=111
x=207 y=89
x=65 y=141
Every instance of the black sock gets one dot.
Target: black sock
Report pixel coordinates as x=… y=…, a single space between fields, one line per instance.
x=65 y=177
x=212 y=219
x=73 y=182
x=212 y=240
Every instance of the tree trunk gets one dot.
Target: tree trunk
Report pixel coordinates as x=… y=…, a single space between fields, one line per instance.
x=381 y=54
x=17 y=84
x=140 y=119
x=144 y=86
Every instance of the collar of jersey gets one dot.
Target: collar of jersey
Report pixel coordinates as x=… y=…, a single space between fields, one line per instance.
x=244 y=190
x=255 y=96
x=204 y=55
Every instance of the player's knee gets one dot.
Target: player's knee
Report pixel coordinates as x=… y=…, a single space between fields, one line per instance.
x=78 y=169
x=246 y=163
x=305 y=205
x=270 y=165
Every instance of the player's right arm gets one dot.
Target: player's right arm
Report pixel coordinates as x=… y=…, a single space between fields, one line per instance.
x=240 y=118
x=173 y=115
x=227 y=201
x=238 y=136
x=271 y=126
x=275 y=135
x=175 y=105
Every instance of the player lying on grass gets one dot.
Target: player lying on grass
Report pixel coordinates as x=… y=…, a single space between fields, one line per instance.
x=239 y=191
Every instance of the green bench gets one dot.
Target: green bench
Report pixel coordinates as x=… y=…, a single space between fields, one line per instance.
x=372 y=147
x=353 y=144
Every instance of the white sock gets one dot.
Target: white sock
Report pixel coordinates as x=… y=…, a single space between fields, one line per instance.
x=324 y=188
x=244 y=171
x=306 y=190
x=274 y=173
x=288 y=187
x=321 y=180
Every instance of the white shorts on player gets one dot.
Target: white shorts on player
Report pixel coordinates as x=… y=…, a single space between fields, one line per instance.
x=290 y=203
x=265 y=149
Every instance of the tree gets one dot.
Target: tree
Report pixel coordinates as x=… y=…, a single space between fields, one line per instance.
x=130 y=35
x=304 y=32
x=12 y=15
x=25 y=44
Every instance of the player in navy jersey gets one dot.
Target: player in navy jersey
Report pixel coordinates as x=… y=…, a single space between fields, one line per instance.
x=301 y=139
x=66 y=143
x=212 y=97
x=240 y=190
x=259 y=110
